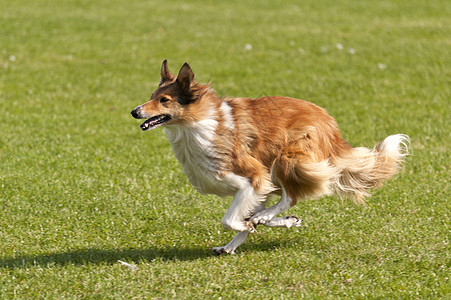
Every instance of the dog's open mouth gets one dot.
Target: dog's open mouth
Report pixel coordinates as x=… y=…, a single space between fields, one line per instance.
x=154 y=122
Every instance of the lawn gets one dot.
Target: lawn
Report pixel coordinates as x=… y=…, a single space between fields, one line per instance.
x=82 y=187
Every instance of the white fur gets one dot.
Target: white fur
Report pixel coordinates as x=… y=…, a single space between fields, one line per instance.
x=248 y=203
x=285 y=222
x=245 y=203
x=226 y=110
x=194 y=149
x=239 y=239
x=397 y=144
x=265 y=215
x=359 y=169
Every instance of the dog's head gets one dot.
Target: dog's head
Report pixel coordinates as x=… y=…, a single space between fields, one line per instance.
x=170 y=102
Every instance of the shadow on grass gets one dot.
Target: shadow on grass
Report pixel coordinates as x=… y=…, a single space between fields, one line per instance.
x=98 y=256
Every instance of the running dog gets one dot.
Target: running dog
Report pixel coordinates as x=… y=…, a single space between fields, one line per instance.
x=253 y=148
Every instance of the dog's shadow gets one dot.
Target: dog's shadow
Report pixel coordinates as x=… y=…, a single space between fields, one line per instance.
x=101 y=256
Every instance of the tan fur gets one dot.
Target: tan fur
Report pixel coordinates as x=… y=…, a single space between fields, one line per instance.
x=276 y=141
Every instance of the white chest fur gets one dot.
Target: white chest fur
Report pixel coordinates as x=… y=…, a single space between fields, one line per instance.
x=194 y=148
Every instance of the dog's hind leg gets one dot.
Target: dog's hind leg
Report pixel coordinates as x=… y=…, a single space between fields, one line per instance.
x=285 y=222
x=266 y=216
x=239 y=239
x=299 y=177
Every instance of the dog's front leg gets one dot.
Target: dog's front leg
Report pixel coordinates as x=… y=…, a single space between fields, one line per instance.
x=245 y=204
x=239 y=239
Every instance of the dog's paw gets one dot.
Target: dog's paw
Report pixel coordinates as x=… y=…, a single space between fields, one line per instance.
x=259 y=219
x=222 y=250
x=251 y=227
x=293 y=221
x=256 y=220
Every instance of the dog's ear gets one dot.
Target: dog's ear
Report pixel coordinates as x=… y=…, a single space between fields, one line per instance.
x=166 y=75
x=185 y=77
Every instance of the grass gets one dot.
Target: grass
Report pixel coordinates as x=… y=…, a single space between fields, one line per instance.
x=82 y=187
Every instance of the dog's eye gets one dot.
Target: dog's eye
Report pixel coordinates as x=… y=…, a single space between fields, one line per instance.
x=164 y=99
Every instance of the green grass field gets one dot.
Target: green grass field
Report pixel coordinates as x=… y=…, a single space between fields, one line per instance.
x=82 y=187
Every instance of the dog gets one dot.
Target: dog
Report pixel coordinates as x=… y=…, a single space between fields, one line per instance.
x=254 y=148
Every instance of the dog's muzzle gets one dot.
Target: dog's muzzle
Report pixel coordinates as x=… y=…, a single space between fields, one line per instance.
x=136 y=113
x=152 y=122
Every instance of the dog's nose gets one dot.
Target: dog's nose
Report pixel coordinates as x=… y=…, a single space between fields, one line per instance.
x=136 y=113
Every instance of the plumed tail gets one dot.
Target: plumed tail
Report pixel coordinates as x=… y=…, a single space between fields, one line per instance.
x=362 y=169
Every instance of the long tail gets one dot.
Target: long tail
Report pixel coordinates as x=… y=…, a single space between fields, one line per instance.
x=362 y=169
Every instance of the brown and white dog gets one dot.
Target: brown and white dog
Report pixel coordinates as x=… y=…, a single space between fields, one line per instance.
x=252 y=148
